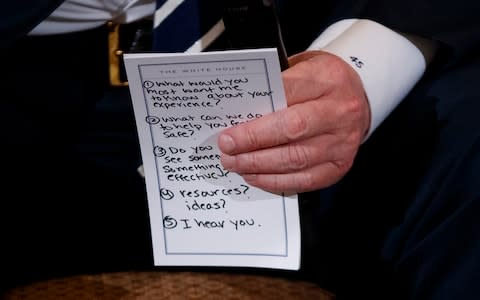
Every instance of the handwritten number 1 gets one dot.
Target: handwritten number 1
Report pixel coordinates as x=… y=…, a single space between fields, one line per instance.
x=357 y=62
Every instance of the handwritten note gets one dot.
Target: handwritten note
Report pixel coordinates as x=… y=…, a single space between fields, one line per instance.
x=200 y=213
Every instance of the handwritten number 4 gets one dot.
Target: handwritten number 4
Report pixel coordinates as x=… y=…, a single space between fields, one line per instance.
x=358 y=63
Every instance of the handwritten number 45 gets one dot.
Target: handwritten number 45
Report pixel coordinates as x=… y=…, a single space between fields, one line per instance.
x=357 y=62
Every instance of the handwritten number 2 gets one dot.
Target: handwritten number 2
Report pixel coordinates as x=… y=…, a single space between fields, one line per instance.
x=357 y=62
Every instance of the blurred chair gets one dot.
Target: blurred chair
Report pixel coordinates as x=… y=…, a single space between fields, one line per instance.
x=168 y=285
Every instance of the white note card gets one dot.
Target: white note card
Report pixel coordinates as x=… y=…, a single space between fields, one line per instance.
x=201 y=214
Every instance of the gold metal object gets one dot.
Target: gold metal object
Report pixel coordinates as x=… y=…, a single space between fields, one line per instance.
x=115 y=55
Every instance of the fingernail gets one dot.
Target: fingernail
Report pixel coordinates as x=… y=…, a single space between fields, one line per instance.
x=226 y=143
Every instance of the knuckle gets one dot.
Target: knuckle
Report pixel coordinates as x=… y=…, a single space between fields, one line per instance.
x=343 y=165
x=355 y=139
x=280 y=183
x=277 y=183
x=297 y=157
x=252 y=138
x=339 y=68
x=252 y=162
x=351 y=140
x=306 y=181
x=294 y=124
x=353 y=107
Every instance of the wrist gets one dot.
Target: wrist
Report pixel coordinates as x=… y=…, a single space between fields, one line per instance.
x=388 y=64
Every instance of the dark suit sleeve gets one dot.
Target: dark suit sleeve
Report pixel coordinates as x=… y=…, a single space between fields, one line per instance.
x=456 y=24
x=17 y=18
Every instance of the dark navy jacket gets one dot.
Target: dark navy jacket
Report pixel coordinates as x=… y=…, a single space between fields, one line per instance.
x=17 y=18
x=454 y=23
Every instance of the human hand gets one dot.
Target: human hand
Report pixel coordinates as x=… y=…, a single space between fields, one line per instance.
x=312 y=143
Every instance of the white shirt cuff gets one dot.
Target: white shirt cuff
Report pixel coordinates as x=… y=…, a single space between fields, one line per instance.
x=388 y=64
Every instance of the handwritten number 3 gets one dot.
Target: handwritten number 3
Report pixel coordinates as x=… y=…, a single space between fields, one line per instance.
x=358 y=63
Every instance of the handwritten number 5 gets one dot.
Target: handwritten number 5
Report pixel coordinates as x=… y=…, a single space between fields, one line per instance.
x=358 y=63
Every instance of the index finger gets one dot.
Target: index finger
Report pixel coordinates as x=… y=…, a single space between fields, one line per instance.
x=294 y=123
